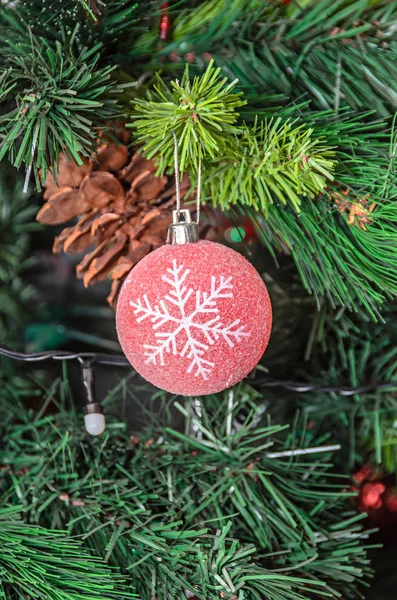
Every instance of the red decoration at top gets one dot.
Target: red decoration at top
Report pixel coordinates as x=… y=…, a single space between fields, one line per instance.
x=194 y=319
x=165 y=21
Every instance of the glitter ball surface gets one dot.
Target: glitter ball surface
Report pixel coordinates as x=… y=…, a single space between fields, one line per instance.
x=194 y=319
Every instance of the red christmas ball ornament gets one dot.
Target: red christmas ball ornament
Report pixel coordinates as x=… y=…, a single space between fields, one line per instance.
x=193 y=317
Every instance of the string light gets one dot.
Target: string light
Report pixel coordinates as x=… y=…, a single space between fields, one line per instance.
x=118 y=360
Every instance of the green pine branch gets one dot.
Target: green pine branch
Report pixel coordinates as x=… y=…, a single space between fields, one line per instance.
x=353 y=267
x=342 y=349
x=356 y=355
x=53 y=96
x=212 y=513
x=215 y=20
x=45 y=564
x=335 y=53
x=343 y=241
x=269 y=161
x=201 y=113
x=109 y=23
x=274 y=162
x=17 y=221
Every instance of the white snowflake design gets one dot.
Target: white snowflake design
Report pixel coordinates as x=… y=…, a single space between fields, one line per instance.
x=181 y=333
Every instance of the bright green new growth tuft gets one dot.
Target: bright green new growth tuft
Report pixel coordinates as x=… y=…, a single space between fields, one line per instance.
x=201 y=113
x=274 y=161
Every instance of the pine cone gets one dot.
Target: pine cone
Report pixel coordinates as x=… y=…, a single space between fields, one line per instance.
x=123 y=212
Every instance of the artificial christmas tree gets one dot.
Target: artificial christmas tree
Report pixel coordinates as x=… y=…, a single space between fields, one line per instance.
x=284 y=119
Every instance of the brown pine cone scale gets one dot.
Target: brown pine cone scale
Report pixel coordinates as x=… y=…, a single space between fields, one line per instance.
x=123 y=212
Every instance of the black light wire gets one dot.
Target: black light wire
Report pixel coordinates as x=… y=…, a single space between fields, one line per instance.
x=118 y=360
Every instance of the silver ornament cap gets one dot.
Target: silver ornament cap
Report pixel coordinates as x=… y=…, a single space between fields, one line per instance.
x=182 y=229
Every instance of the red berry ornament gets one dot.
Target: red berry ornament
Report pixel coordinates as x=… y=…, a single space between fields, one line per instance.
x=193 y=318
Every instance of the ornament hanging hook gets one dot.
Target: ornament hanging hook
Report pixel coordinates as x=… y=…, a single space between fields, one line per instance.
x=182 y=229
x=198 y=197
x=177 y=178
x=178 y=182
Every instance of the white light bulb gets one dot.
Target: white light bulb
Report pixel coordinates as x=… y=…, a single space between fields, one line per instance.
x=95 y=423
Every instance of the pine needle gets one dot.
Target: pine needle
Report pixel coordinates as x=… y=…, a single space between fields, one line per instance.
x=259 y=527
